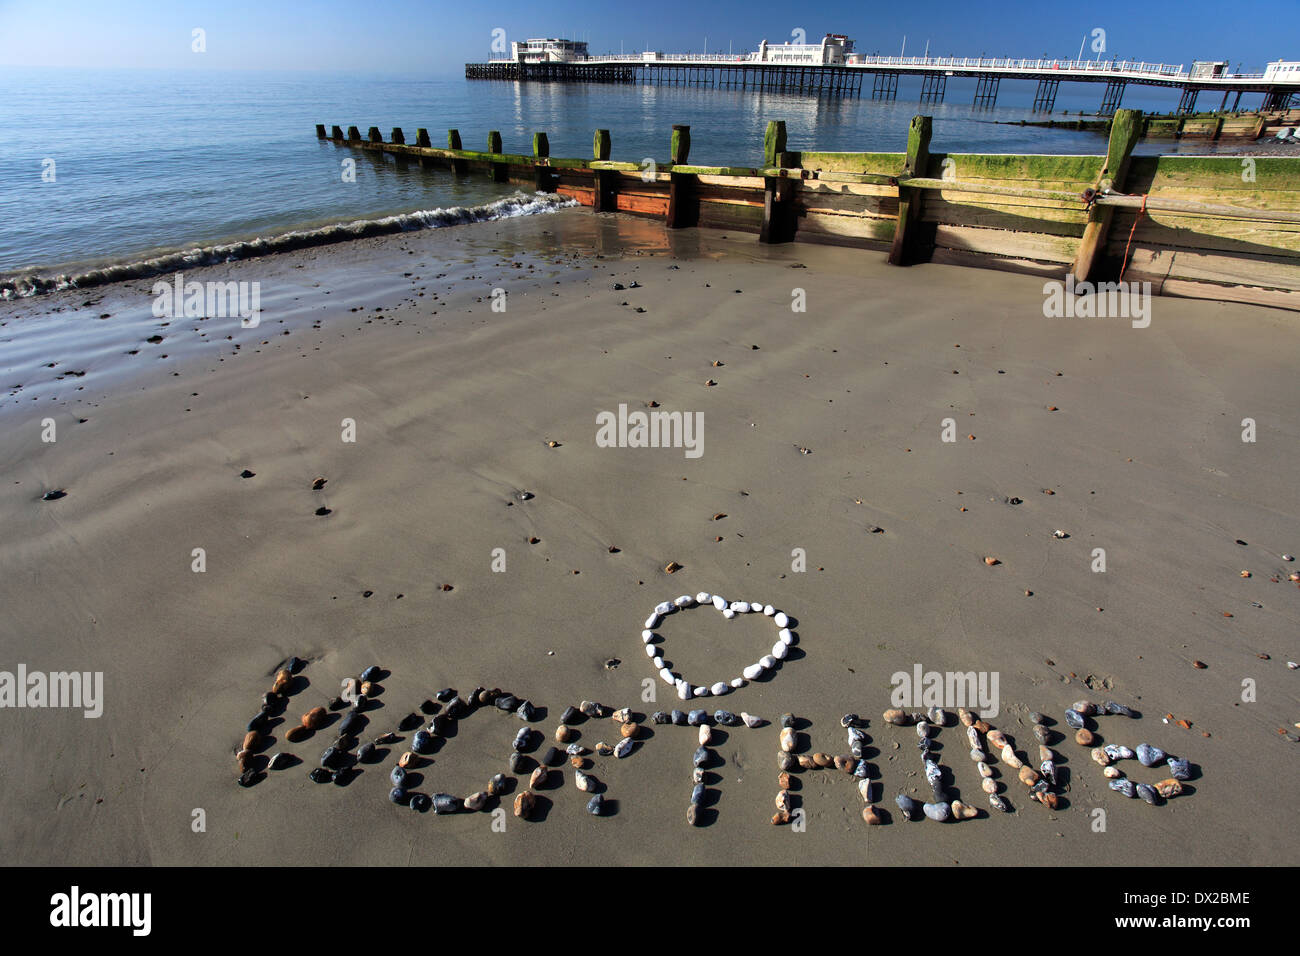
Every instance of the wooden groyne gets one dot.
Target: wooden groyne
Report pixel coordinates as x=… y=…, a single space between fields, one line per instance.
x=1225 y=228
x=1208 y=126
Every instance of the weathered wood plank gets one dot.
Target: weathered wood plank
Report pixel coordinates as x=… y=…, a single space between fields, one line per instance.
x=913 y=240
x=1016 y=245
x=1125 y=131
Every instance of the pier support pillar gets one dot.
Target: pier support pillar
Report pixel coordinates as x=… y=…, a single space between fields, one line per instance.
x=320 y=130
x=884 y=86
x=336 y=133
x=913 y=240
x=1111 y=98
x=683 y=203
x=1187 y=102
x=933 y=86
x=1045 y=96
x=1125 y=131
x=779 y=219
x=986 y=91
x=354 y=135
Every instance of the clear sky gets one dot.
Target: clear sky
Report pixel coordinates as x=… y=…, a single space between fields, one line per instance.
x=409 y=36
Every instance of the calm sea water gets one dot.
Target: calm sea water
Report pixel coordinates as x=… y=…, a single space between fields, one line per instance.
x=149 y=161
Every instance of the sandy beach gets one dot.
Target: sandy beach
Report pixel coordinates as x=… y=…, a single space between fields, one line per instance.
x=822 y=425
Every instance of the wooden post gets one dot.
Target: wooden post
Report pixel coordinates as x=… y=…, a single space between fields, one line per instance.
x=397 y=136
x=498 y=170
x=354 y=135
x=1124 y=132
x=683 y=203
x=545 y=177
x=375 y=136
x=911 y=238
x=778 y=191
x=320 y=130
x=603 y=180
x=422 y=137
x=336 y=132
x=458 y=166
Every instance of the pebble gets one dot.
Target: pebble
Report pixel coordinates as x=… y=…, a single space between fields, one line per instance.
x=753 y=671
x=1118 y=752
x=785 y=761
x=963 y=812
x=497 y=785
x=584 y=782
x=1124 y=786
x=1083 y=737
x=906 y=805
x=781 y=619
x=524 y=804
x=1148 y=794
x=1008 y=757
x=706 y=735
x=786 y=720
x=537 y=778
x=1111 y=772
x=624 y=747
x=1113 y=708
x=720 y=688
x=938 y=812
x=719 y=602
x=515 y=761
x=726 y=718
x=788 y=739
x=1042 y=734
x=697 y=717
x=989 y=785
x=785 y=636
x=1169 y=788
x=1085 y=707
x=1149 y=756
x=476 y=801
x=1179 y=768
x=704 y=597
x=701 y=756
x=596 y=805
x=521 y=739
x=997 y=739
x=397 y=794
x=997 y=803
x=870 y=816
x=1074 y=719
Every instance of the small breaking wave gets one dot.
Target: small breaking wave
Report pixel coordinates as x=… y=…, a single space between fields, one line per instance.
x=25 y=285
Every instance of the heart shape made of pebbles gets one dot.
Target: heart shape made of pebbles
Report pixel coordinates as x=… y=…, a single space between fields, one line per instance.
x=729 y=609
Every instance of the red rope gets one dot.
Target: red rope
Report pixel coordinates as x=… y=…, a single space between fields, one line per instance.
x=1136 y=220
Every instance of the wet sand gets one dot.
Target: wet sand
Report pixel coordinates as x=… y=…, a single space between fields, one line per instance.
x=454 y=407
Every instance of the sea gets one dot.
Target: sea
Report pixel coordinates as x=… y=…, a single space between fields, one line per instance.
x=104 y=167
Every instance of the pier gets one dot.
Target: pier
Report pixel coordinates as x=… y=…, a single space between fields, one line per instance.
x=878 y=76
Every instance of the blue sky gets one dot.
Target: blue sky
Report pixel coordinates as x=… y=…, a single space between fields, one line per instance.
x=407 y=36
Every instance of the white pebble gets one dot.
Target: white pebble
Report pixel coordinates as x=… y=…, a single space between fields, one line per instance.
x=728 y=614
x=750 y=720
x=706 y=734
x=769 y=610
x=647 y=635
x=719 y=602
x=684 y=601
x=658 y=662
x=753 y=671
x=720 y=688
x=701 y=691
x=740 y=607
x=785 y=636
x=652 y=622
x=683 y=690
x=756 y=606
x=737 y=683
x=668 y=676
x=650 y=650
x=781 y=619
x=704 y=597
x=664 y=607
x=779 y=650
x=768 y=662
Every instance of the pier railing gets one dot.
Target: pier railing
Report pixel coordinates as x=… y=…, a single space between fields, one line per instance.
x=1217 y=227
